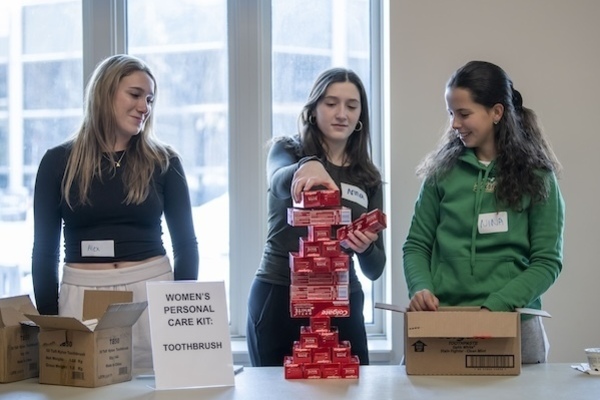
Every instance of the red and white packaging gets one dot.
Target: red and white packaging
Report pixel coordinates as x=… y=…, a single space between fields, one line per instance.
x=312 y=371
x=341 y=353
x=320 y=324
x=300 y=264
x=319 y=278
x=308 y=248
x=318 y=199
x=330 y=338
x=350 y=370
x=319 y=233
x=319 y=217
x=307 y=309
x=301 y=355
x=309 y=339
x=292 y=370
x=330 y=248
x=310 y=264
x=331 y=371
x=340 y=263
x=374 y=221
x=321 y=355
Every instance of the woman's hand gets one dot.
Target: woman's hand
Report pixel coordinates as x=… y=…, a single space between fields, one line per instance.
x=360 y=241
x=309 y=175
x=424 y=300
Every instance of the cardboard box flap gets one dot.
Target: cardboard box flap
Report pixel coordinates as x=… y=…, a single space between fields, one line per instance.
x=533 y=311
x=56 y=322
x=461 y=324
x=13 y=310
x=121 y=315
x=95 y=302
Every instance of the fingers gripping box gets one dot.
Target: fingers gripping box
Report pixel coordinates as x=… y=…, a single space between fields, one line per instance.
x=18 y=341
x=92 y=352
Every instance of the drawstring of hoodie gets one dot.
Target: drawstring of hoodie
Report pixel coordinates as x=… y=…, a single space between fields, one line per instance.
x=480 y=188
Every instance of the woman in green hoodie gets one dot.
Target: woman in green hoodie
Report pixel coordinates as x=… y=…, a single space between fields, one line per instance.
x=487 y=229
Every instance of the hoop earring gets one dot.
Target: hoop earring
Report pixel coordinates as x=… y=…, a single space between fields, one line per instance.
x=359 y=126
x=311 y=119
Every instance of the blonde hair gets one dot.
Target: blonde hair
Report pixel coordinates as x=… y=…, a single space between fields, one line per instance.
x=96 y=136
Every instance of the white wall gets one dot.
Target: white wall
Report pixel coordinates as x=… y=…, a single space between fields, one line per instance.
x=550 y=49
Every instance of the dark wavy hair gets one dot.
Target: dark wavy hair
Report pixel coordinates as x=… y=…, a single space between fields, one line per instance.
x=522 y=150
x=309 y=141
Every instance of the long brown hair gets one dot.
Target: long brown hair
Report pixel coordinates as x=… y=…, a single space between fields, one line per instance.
x=521 y=147
x=358 y=147
x=96 y=137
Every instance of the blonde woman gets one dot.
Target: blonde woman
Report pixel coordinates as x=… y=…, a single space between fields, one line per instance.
x=109 y=186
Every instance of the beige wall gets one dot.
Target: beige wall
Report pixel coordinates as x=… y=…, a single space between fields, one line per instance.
x=550 y=49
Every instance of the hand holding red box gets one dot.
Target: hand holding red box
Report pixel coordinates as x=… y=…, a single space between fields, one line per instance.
x=374 y=221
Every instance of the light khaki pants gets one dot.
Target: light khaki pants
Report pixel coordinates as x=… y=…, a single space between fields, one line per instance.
x=76 y=281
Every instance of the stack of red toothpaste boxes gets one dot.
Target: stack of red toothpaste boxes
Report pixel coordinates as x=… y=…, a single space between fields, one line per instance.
x=319 y=288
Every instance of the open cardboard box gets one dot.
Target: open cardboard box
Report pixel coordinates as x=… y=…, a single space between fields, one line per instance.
x=18 y=342
x=462 y=341
x=94 y=351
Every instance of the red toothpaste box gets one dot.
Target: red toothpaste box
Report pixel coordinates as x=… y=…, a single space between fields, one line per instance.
x=312 y=371
x=330 y=248
x=320 y=324
x=321 y=355
x=316 y=308
x=309 y=339
x=331 y=338
x=300 y=264
x=319 y=217
x=319 y=278
x=374 y=221
x=331 y=371
x=340 y=263
x=301 y=355
x=307 y=248
x=292 y=370
x=341 y=353
x=319 y=233
x=314 y=264
x=350 y=370
x=318 y=199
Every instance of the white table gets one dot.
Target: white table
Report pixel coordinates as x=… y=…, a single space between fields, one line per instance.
x=544 y=381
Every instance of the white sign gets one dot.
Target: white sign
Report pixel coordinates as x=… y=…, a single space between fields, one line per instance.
x=189 y=328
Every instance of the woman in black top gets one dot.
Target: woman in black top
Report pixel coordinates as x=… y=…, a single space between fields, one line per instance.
x=109 y=186
x=332 y=151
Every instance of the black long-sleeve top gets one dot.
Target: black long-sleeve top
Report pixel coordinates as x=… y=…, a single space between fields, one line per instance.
x=135 y=229
x=282 y=238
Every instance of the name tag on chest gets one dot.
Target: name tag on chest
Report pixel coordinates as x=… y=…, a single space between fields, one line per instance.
x=354 y=194
x=97 y=248
x=493 y=222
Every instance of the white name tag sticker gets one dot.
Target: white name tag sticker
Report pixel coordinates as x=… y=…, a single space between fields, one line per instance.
x=97 y=248
x=355 y=195
x=493 y=222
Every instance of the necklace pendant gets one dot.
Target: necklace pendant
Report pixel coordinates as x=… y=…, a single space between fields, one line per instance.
x=117 y=164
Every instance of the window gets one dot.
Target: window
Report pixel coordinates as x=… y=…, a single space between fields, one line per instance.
x=185 y=44
x=340 y=36
x=231 y=74
x=41 y=86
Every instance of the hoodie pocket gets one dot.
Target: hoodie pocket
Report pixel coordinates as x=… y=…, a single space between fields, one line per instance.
x=456 y=282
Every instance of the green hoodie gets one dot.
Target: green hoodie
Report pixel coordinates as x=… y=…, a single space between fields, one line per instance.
x=469 y=251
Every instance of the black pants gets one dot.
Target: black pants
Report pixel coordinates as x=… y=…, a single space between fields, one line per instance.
x=271 y=331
